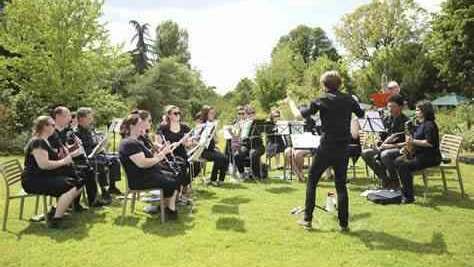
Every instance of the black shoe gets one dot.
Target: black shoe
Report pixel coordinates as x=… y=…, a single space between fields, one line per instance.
x=106 y=198
x=114 y=191
x=407 y=200
x=307 y=225
x=171 y=215
x=80 y=208
x=96 y=204
x=344 y=229
x=56 y=223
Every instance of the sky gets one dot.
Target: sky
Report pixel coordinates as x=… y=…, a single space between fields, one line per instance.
x=229 y=39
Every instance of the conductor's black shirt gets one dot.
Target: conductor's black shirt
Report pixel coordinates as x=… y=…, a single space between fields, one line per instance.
x=335 y=110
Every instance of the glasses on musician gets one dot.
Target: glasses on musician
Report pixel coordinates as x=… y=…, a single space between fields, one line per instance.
x=176 y=113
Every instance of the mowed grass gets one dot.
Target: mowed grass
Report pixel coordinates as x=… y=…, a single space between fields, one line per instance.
x=248 y=224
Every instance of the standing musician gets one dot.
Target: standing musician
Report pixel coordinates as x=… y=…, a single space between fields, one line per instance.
x=174 y=131
x=382 y=159
x=141 y=163
x=43 y=172
x=59 y=141
x=251 y=146
x=425 y=142
x=85 y=133
x=335 y=110
x=211 y=153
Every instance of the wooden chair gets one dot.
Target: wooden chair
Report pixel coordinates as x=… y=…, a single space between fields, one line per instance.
x=450 y=147
x=11 y=172
x=135 y=196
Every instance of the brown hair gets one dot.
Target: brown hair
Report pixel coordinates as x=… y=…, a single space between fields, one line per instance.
x=132 y=120
x=39 y=124
x=205 y=113
x=83 y=112
x=168 y=110
x=427 y=109
x=59 y=110
x=331 y=80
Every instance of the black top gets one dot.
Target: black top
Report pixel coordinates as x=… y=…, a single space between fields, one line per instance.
x=336 y=110
x=31 y=166
x=173 y=137
x=129 y=147
x=428 y=130
x=395 y=125
x=87 y=139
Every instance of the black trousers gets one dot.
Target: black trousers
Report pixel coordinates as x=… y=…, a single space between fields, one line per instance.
x=219 y=167
x=253 y=155
x=406 y=167
x=335 y=156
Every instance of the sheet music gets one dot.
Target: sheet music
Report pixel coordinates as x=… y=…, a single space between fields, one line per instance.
x=227 y=134
x=372 y=123
x=305 y=140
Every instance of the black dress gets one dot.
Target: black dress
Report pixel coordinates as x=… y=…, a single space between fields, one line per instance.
x=39 y=181
x=143 y=178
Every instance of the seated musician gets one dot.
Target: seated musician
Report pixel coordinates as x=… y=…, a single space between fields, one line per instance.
x=275 y=142
x=425 y=152
x=141 y=164
x=381 y=159
x=84 y=132
x=251 y=147
x=233 y=144
x=59 y=141
x=211 y=153
x=43 y=174
x=172 y=130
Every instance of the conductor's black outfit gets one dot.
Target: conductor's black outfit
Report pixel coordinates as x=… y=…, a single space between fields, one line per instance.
x=335 y=110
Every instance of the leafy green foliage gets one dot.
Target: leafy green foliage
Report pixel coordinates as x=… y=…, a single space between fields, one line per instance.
x=142 y=50
x=451 y=44
x=172 y=41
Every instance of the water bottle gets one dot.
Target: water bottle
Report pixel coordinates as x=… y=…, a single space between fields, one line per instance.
x=331 y=202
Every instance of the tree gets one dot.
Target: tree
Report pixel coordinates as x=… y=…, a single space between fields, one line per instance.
x=380 y=24
x=451 y=44
x=172 y=41
x=271 y=85
x=309 y=43
x=169 y=82
x=142 y=49
x=65 y=55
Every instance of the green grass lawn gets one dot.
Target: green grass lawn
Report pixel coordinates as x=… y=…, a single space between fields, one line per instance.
x=249 y=225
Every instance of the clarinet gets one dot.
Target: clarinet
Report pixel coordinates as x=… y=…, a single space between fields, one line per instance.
x=171 y=163
x=149 y=144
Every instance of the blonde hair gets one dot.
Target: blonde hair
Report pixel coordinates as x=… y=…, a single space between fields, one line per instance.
x=39 y=124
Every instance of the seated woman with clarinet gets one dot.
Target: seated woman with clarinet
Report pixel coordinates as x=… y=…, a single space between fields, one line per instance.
x=141 y=164
x=421 y=150
x=44 y=171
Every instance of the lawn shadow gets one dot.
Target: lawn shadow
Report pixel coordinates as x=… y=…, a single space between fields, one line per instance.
x=280 y=189
x=204 y=194
x=237 y=200
x=231 y=224
x=385 y=241
x=437 y=197
x=360 y=216
x=77 y=227
x=225 y=209
x=233 y=186
x=152 y=225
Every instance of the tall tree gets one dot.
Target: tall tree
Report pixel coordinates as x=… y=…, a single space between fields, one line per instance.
x=172 y=41
x=142 y=48
x=65 y=55
x=309 y=43
x=380 y=24
x=451 y=44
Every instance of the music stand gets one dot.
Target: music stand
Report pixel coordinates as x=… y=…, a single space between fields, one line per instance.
x=372 y=123
x=115 y=128
x=287 y=128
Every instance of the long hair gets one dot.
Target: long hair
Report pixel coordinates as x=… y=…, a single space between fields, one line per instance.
x=427 y=109
x=168 y=110
x=132 y=120
x=39 y=124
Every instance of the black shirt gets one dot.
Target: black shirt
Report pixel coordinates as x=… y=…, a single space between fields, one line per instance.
x=31 y=166
x=395 y=125
x=129 y=147
x=335 y=110
x=428 y=130
x=173 y=137
x=87 y=139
